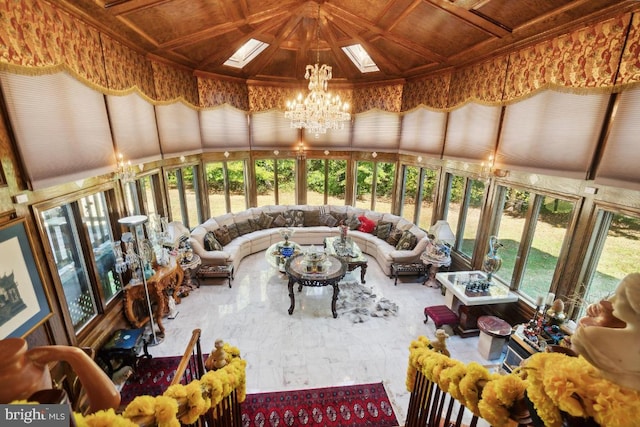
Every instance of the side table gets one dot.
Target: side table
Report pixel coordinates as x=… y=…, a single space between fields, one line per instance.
x=433 y=262
x=212 y=271
x=190 y=268
x=123 y=349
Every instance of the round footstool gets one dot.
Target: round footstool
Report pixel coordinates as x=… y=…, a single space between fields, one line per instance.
x=493 y=334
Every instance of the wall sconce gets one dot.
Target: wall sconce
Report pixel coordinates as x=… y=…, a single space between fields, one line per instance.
x=419 y=159
x=276 y=152
x=488 y=169
x=302 y=154
x=374 y=154
x=226 y=154
x=124 y=172
x=326 y=152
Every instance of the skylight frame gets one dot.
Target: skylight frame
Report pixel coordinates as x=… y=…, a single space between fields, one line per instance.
x=246 y=53
x=360 y=58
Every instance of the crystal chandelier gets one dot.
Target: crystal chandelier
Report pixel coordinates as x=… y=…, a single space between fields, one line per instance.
x=125 y=171
x=318 y=111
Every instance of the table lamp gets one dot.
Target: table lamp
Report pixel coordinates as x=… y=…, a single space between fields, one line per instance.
x=442 y=234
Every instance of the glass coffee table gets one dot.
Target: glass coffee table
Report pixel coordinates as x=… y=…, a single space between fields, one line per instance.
x=349 y=252
x=278 y=253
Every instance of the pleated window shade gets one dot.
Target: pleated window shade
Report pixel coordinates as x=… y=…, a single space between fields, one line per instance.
x=337 y=139
x=376 y=130
x=552 y=133
x=270 y=129
x=134 y=128
x=422 y=132
x=620 y=163
x=472 y=132
x=61 y=128
x=179 y=130
x=224 y=127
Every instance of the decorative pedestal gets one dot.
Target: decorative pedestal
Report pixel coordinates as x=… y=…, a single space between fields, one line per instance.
x=493 y=334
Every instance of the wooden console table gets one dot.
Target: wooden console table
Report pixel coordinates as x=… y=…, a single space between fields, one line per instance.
x=166 y=278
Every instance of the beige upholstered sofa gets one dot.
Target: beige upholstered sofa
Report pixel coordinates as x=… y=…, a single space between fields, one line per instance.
x=231 y=237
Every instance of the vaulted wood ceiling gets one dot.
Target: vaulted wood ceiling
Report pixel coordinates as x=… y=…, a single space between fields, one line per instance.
x=406 y=38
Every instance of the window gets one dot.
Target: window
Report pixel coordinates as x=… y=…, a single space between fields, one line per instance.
x=276 y=181
x=612 y=256
x=225 y=186
x=464 y=199
x=88 y=281
x=418 y=184
x=326 y=181
x=374 y=185
x=141 y=196
x=532 y=228
x=184 y=195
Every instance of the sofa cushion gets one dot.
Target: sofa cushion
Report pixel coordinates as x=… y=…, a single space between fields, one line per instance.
x=328 y=220
x=211 y=243
x=279 y=221
x=383 y=229
x=407 y=242
x=312 y=218
x=394 y=237
x=367 y=225
x=244 y=227
x=222 y=235
x=233 y=231
x=294 y=217
x=264 y=220
x=352 y=222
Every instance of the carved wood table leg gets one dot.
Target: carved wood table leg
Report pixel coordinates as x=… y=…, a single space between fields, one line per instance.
x=292 y=296
x=336 y=292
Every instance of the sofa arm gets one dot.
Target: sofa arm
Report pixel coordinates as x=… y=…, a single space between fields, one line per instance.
x=412 y=255
x=208 y=257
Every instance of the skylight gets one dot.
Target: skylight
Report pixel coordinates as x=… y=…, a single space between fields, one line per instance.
x=360 y=58
x=246 y=53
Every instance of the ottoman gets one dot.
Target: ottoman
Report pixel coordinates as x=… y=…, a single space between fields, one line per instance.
x=441 y=315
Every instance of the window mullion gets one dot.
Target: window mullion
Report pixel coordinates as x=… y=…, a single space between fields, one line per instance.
x=528 y=232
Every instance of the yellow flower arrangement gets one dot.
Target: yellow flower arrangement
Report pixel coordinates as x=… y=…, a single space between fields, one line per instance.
x=197 y=398
x=554 y=383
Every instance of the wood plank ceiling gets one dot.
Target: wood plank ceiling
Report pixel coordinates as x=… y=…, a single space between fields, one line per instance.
x=406 y=38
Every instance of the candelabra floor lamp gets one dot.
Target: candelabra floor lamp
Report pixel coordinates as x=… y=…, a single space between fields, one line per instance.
x=135 y=261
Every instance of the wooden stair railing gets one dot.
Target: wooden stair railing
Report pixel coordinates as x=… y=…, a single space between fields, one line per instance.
x=430 y=406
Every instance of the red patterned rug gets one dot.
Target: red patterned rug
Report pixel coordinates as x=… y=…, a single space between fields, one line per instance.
x=355 y=405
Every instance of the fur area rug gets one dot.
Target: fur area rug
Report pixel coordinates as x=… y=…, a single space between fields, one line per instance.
x=359 y=303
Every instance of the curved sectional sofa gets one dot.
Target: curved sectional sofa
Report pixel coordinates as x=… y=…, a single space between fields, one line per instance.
x=228 y=238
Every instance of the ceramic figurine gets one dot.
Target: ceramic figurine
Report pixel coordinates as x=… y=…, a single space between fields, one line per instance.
x=218 y=357
x=441 y=344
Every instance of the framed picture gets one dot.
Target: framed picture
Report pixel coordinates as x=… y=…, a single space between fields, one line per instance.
x=23 y=302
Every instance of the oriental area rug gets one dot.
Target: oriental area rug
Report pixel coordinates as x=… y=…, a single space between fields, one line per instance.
x=354 y=405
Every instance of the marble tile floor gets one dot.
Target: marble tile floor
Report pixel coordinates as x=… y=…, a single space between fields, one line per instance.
x=310 y=348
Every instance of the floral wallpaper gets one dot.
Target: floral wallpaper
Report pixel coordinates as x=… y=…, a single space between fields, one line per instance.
x=214 y=92
x=126 y=68
x=432 y=92
x=35 y=35
x=630 y=64
x=482 y=83
x=173 y=83
x=386 y=98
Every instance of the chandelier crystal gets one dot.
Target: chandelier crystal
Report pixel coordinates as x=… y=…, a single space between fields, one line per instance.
x=319 y=110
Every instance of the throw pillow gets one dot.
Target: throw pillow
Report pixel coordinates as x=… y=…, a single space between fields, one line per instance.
x=383 y=229
x=279 y=221
x=328 y=220
x=222 y=235
x=407 y=242
x=366 y=225
x=253 y=223
x=352 y=222
x=340 y=217
x=210 y=242
x=394 y=236
x=233 y=231
x=264 y=220
x=244 y=227
x=312 y=218
x=295 y=218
